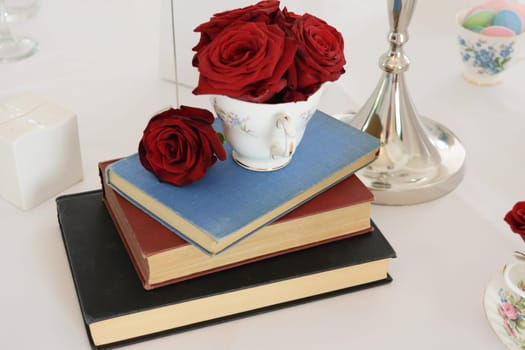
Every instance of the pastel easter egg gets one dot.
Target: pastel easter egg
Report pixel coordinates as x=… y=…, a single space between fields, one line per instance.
x=481 y=18
x=519 y=9
x=477 y=29
x=474 y=9
x=510 y=19
x=497 y=31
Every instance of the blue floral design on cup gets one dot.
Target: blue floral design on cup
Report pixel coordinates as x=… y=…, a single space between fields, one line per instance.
x=485 y=56
x=231 y=119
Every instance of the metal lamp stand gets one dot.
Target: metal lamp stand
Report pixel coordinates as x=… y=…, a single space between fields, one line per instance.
x=419 y=159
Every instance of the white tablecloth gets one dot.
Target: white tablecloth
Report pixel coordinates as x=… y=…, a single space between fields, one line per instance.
x=100 y=59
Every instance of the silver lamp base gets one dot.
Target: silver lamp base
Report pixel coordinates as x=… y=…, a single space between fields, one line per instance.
x=408 y=185
x=419 y=159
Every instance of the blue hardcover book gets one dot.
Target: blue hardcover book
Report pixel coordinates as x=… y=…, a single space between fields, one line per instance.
x=231 y=202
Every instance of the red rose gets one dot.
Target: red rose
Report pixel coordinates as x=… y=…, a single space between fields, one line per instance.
x=320 y=56
x=263 y=11
x=248 y=61
x=286 y=19
x=516 y=218
x=262 y=54
x=180 y=145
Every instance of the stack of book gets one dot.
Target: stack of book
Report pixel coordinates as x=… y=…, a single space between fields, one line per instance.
x=149 y=258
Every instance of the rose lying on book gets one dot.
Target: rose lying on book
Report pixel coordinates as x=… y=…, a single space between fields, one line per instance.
x=516 y=219
x=180 y=145
x=262 y=54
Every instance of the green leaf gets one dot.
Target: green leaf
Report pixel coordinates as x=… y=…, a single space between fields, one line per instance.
x=520 y=323
x=520 y=303
x=221 y=137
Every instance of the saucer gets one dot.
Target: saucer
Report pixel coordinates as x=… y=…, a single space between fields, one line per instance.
x=491 y=301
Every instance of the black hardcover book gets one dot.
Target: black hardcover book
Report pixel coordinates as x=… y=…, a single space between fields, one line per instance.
x=116 y=309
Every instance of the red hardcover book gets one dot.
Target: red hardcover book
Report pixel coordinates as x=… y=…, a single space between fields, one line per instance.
x=161 y=257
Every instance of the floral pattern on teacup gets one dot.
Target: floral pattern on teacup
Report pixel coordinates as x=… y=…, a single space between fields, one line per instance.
x=484 y=56
x=231 y=119
x=306 y=116
x=512 y=311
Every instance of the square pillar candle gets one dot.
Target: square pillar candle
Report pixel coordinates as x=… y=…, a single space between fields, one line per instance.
x=39 y=150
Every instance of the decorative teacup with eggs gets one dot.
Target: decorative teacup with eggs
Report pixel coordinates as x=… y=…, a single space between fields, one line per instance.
x=490 y=37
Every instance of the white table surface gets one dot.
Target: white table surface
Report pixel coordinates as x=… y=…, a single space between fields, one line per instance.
x=100 y=59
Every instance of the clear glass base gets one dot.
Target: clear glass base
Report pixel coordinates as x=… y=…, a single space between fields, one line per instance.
x=14 y=49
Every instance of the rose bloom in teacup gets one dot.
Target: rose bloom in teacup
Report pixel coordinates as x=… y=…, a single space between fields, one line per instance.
x=263 y=54
x=511 y=304
x=264 y=67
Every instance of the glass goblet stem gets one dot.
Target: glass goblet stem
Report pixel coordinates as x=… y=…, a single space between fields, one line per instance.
x=13 y=48
x=5 y=32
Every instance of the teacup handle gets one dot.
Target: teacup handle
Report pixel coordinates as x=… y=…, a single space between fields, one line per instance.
x=283 y=121
x=508 y=281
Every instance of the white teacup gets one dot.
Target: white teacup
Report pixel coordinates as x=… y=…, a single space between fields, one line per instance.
x=486 y=58
x=514 y=277
x=511 y=302
x=264 y=137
